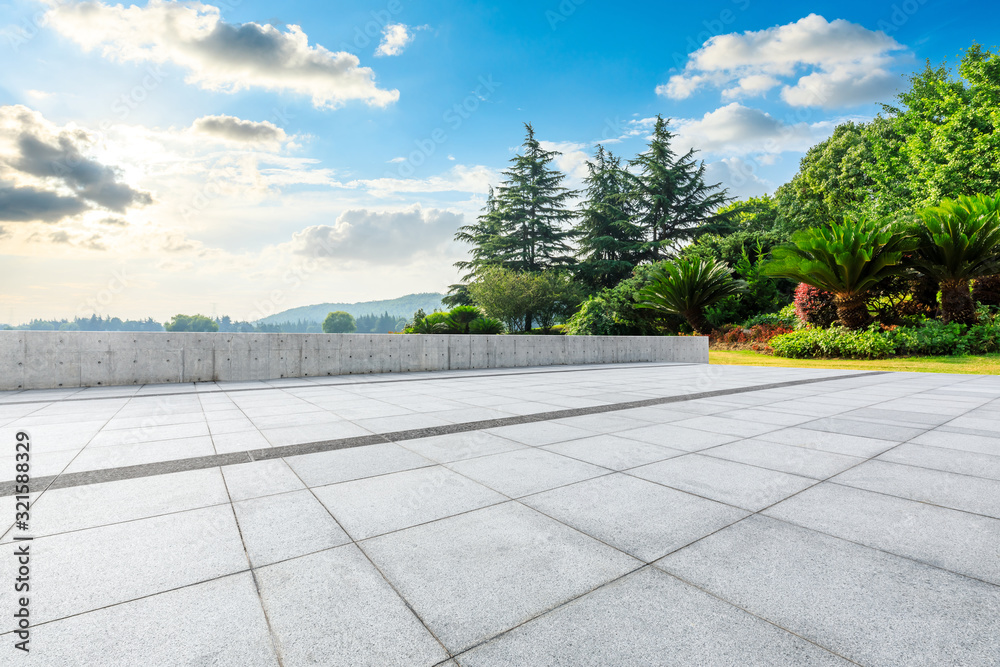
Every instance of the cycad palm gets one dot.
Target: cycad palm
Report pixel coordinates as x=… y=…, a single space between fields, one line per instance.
x=960 y=241
x=687 y=287
x=847 y=259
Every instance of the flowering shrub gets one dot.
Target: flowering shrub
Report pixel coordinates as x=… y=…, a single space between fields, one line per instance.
x=756 y=337
x=814 y=306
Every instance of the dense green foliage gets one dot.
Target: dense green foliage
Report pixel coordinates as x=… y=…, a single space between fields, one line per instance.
x=339 y=322
x=199 y=323
x=686 y=288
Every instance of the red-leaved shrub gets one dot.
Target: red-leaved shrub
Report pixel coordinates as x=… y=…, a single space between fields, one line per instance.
x=814 y=306
x=756 y=337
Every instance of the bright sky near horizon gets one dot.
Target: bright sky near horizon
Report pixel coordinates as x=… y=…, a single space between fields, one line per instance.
x=241 y=157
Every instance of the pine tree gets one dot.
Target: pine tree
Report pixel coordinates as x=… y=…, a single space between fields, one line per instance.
x=610 y=244
x=532 y=208
x=671 y=194
x=484 y=236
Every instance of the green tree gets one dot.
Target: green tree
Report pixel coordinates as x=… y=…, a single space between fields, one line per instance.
x=532 y=208
x=960 y=241
x=687 y=287
x=847 y=259
x=191 y=323
x=555 y=296
x=505 y=295
x=609 y=243
x=670 y=194
x=832 y=181
x=485 y=236
x=339 y=322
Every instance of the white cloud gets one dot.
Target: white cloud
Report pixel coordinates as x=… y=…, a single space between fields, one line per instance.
x=572 y=159
x=738 y=130
x=378 y=237
x=231 y=128
x=395 y=38
x=48 y=173
x=218 y=55
x=847 y=64
x=460 y=178
x=738 y=176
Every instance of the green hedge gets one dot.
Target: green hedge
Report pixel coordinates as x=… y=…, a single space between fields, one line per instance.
x=930 y=338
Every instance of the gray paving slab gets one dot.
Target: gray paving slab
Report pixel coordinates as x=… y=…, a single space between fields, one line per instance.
x=459 y=446
x=614 y=452
x=785 y=458
x=838 y=443
x=475 y=575
x=219 y=622
x=957 y=541
x=677 y=437
x=89 y=569
x=748 y=487
x=943 y=458
x=961 y=441
x=260 y=478
x=947 y=489
x=334 y=608
x=81 y=507
x=735 y=427
x=643 y=519
x=865 y=429
x=648 y=618
x=377 y=505
x=869 y=606
x=540 y=433
x=286 y=526
x=525 y=471
x=343 y=465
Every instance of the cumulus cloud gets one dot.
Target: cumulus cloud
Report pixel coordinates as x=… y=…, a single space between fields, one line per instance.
x=218 y=55
x=572 y=159
x=378 y=237
x=738 y=176
x=238 y=130
x=45 y=174
x=460 y=178
x=834 y=64
x=738 y=130
x=395 y=38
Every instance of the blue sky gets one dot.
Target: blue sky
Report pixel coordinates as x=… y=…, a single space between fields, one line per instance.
x=246 y=157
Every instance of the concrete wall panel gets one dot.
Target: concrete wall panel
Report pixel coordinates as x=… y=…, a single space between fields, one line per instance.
x=50 y=359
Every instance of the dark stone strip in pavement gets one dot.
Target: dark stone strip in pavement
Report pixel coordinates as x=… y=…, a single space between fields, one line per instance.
x=181 y=465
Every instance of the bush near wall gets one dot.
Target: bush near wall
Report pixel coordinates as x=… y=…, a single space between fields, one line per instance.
x=929 y=338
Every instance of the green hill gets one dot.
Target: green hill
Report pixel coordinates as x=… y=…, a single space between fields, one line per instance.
x=404 y=306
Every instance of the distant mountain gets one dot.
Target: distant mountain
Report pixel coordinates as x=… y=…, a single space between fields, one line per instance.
x=404 y=306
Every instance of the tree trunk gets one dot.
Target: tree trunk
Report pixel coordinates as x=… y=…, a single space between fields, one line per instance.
x=696 y=319
x=852 y=311
x=956 y=302
x=986 y=290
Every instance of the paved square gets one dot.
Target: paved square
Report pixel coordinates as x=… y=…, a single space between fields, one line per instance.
x=640 y=514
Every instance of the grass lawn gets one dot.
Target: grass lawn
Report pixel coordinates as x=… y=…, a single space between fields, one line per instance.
x=987 y=364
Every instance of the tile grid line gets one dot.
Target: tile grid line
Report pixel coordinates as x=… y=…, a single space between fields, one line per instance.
x=197 y=463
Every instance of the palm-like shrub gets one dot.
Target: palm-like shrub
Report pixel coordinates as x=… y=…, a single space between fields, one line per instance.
x=460 y=317
x=485 y=325
x=847 y=259
x=960 y=241
x=687 y=287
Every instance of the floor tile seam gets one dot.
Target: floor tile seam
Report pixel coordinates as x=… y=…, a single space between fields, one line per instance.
x=882 y=550
x=382 y=574
x=770 y=622
x=51 y=479
x=629 y=574
x=950 y=472
x=576 y=368
x=912 y=500
x=272 y=635
x=234 y=573
x=257 y=454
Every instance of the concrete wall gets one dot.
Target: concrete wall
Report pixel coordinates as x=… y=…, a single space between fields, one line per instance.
x=49 y=359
